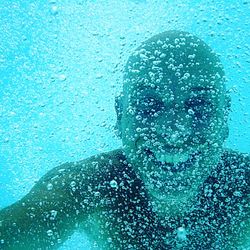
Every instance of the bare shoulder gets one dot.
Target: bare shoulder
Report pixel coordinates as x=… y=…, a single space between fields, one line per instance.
x=238 y=165
x=61 y=199
x=236 y=157
x=237 y=162
x=87 y=170
x=81 y=178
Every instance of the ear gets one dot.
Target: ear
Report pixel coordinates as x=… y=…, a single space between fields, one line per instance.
x=118 y=109
x=227 y=110
x=227 y=106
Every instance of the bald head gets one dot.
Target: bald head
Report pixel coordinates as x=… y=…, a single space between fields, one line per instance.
x=173 y=56
x=176 y=80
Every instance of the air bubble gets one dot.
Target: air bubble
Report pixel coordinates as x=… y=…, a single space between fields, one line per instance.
x=99 y=76
x=138 y=130
x=54 y=10
x=238 y=193
x=50 y=186
x=186 y=76
x=113 y=184
x=50 y=233
x=191 y=112
x=53 y=214
x=62 y=77
x=181 y=234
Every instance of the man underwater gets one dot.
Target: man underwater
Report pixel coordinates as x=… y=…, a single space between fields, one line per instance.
x=171 y=186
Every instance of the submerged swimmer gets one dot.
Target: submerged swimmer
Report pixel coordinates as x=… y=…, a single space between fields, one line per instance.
x=171 y=186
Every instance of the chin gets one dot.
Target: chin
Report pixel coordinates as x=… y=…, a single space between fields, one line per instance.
x=173 y=163
x=175 y=179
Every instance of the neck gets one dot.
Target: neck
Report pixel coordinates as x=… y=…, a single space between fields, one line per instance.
x=173 y=204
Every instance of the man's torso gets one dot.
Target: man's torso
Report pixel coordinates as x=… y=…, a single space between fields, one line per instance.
x=126 y=220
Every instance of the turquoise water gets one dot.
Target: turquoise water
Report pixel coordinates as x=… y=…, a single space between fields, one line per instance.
x=61 y=66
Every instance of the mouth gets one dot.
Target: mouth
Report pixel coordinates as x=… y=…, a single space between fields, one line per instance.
x=174 y=162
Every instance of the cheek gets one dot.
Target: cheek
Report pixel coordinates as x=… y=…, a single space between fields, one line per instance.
x=210 y=126
x=132 y=130
x=138 y=125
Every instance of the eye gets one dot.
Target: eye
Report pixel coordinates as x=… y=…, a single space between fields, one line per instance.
x=149 y=106
x=201 y=109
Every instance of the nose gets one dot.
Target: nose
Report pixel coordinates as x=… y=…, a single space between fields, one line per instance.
x=175 y=130
x=175 y=137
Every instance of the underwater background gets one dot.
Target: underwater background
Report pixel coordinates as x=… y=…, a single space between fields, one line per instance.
x=61 y=66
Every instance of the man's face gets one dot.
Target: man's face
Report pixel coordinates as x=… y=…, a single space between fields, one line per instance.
x=173 y=130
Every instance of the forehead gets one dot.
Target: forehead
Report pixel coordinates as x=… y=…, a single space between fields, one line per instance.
x=175 y=88
x=173 y=62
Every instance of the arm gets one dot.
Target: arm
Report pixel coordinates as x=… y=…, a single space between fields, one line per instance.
x=241 y=236
x=243 y=242
x=46 y=216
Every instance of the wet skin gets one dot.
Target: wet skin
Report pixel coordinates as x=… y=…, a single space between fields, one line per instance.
x=105 y=197
x=172 y=119
x=173 y=124
x=161 y=136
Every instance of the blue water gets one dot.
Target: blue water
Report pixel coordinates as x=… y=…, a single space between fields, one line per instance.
x=61 y=66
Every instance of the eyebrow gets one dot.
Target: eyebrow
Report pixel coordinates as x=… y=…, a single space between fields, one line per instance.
x=202 y=88
x=146 y=89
